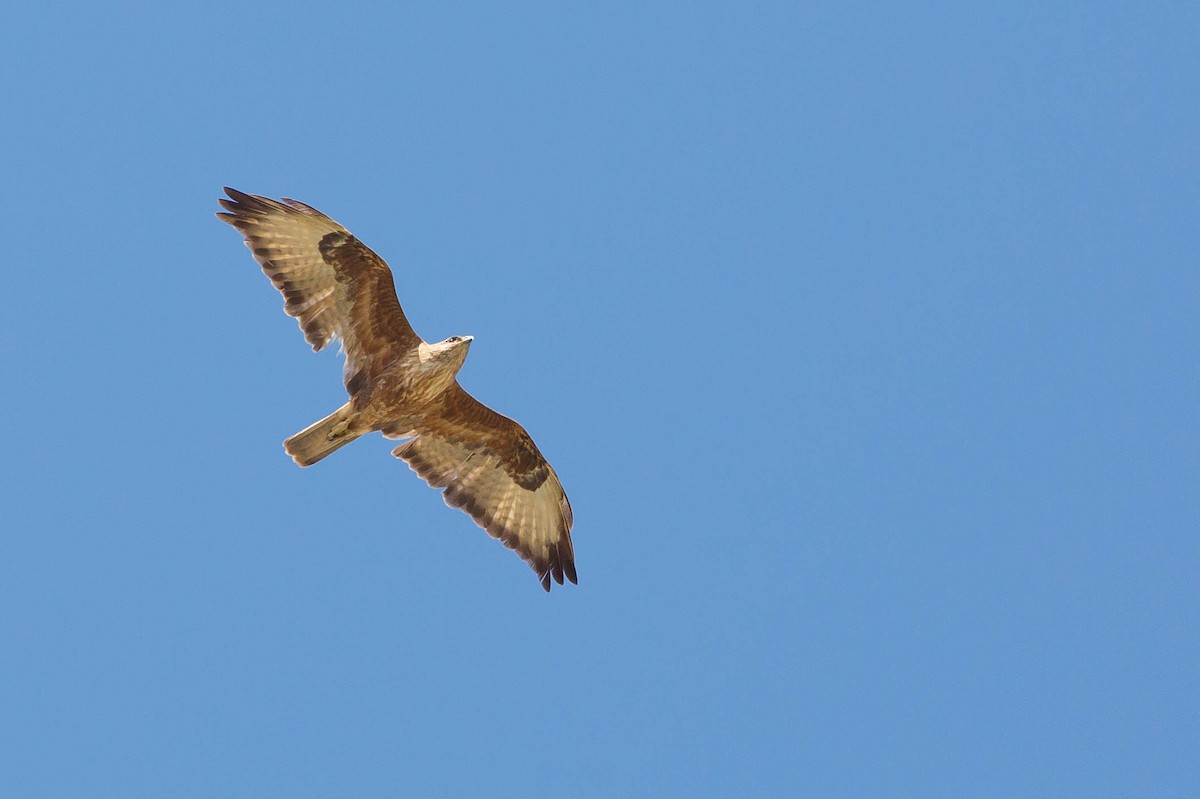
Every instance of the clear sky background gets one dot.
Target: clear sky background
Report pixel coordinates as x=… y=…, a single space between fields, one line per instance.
x=863 y=336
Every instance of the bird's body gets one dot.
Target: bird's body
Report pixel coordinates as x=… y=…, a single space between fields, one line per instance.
x=402 y=386
x=398 y=400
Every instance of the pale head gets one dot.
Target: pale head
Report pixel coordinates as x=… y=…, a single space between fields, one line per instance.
x=446 y=355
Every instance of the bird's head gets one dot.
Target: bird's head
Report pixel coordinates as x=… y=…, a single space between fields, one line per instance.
x=449 y=353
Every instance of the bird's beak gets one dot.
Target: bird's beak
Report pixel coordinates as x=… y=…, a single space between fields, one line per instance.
x=468 y=339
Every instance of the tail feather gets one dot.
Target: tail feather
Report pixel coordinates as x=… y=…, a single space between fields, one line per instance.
x=318 y=440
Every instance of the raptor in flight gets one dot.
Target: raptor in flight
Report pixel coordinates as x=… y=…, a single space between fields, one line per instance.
x=402 y=386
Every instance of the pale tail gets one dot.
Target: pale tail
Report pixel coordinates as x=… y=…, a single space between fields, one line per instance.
x=312 y=443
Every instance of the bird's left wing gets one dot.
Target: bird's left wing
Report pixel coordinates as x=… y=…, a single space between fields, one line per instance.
x=490 y=467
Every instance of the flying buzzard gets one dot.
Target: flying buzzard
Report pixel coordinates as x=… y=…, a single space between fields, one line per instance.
x=400 y=385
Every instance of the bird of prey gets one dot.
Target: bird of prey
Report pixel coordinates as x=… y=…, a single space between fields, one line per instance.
x=487 y=464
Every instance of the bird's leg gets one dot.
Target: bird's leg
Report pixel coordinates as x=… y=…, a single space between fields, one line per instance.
x=338 y=430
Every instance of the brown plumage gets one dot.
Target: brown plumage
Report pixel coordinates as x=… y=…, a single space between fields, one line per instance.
x=402 y=386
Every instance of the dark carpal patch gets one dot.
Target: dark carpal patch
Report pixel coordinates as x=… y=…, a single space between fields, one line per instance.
x=329 y=246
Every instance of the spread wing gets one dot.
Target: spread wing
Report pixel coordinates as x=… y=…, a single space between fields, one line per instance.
x=491 y=469
x=331 y=282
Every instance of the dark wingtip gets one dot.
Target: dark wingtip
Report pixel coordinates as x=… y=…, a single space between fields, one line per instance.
x=566 y=559
x=235 y=206
x=240 y=203
x=546 y=581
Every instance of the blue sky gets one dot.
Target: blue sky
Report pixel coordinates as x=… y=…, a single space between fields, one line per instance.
x=864 y=339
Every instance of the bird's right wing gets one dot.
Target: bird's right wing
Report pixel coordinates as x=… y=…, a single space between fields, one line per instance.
x=331 y=282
